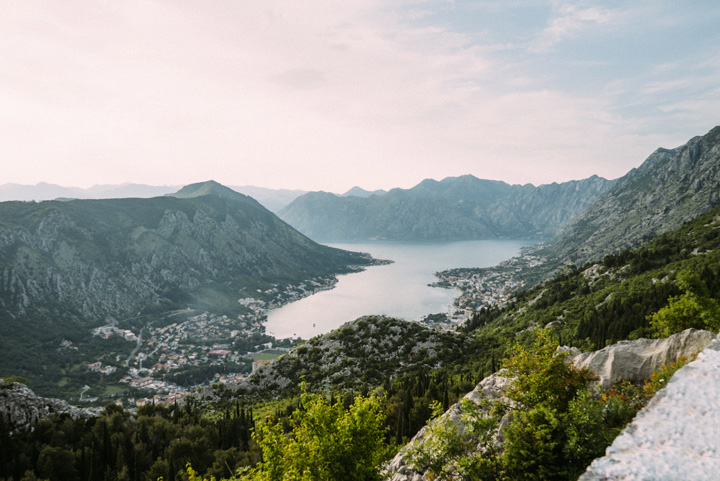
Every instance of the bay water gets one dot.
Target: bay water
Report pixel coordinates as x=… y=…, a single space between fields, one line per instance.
x=400 y=289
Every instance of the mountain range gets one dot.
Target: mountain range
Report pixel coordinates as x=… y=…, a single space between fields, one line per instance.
x=272 y=199
x=581 y=220
x=671 y=187
x=455 y=208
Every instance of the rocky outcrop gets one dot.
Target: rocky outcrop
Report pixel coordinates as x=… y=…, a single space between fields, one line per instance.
x=636 y=360
x=20 y=407
x=360 y=353
x=677 y=435
x=627 y=360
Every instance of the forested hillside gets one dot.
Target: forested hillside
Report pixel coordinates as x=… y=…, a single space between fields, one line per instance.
x=610 y=300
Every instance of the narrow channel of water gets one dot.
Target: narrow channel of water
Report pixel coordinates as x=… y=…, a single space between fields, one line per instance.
x=399 y=289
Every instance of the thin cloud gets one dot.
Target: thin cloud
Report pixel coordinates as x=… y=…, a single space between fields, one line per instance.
x=569 y=22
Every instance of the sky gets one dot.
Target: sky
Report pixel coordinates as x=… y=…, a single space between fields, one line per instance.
x=326 y=95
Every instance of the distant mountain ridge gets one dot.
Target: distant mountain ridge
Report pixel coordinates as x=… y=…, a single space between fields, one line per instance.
x=455 y=208
x=45 y=191
x=272 y=199
x=360 y=192
x=671 y=187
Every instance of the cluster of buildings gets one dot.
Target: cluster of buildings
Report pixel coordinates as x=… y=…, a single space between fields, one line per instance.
x=482 y=287
x=200 y=340
x=157 y=399
x=106 y=332
x=165 y=392
x=98 y=367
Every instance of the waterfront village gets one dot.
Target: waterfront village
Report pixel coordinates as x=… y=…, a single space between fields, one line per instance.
x=170 y=359
x=169 y=362
x=485 y=287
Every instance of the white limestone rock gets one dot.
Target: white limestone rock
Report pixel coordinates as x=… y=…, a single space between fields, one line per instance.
x=637 y=360
x=492 y=388
x=626 y=360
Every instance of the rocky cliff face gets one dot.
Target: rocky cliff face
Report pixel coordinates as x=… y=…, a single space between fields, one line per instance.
x=458 y=208
x=677 y=435
x=20 y=407
x=636 y=360
x=491 y=388
x=627 y=360
x=671 y=187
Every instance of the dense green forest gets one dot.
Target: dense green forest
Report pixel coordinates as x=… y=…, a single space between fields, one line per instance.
x=156 y=442
x=624 y=296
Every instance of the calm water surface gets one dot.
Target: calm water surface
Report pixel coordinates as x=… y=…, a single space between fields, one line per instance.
x=399 y=289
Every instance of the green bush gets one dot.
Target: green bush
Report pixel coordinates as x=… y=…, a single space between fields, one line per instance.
x=694 y=308
x=327 y=442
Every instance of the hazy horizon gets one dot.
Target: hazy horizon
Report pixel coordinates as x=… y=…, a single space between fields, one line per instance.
x=102 y=187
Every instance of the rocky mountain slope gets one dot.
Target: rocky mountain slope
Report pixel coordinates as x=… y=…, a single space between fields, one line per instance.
x=114 y=257
x=671 y=187
x=628 y=360
x=68 y=266
x=459 y=208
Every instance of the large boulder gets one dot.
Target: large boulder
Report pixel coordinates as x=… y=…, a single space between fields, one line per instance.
x=636 y=360
x=677 y=435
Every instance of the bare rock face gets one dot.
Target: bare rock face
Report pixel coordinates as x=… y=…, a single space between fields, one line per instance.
x=20 y=407
x=677 y=435
x=636 y=360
